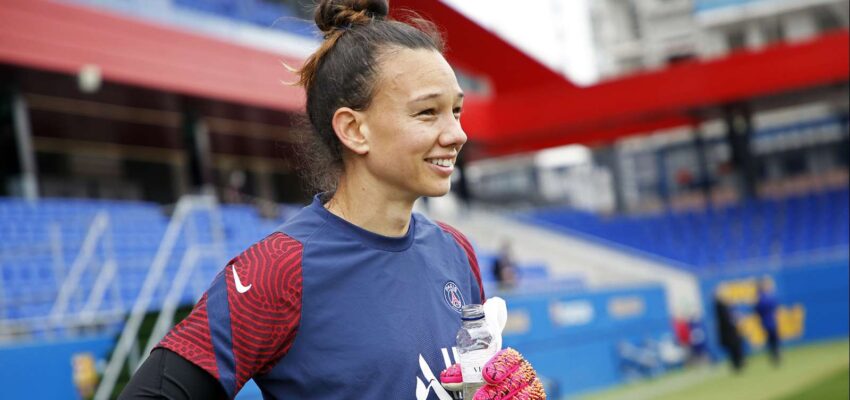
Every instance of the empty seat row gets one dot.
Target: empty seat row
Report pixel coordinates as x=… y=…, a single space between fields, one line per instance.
x=720 y=236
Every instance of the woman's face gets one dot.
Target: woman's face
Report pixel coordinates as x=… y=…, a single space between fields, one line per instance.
x=413 y=124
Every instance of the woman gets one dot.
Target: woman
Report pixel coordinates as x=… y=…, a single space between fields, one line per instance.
x=355 y=296
x=766 y=309
x=730 y=338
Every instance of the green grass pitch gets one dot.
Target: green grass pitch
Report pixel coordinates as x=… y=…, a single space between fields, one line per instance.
x=815 y=371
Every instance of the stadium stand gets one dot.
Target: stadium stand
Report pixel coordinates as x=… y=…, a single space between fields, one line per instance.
x=44 y=240
x=712 y=237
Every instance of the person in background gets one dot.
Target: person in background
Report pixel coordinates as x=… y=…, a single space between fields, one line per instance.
x=698 y=340
x=766 y=310
x=234 y=192
x=504 y=269
x=682 y=331
x=730 y=338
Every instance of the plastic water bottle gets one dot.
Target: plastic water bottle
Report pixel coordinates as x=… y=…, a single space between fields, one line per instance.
x=473 y=345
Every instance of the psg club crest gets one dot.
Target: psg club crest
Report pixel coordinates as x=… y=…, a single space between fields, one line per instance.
x=453 y=295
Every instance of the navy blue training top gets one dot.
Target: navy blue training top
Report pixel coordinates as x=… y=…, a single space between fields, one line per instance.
x=323 y=309
x=766 y=309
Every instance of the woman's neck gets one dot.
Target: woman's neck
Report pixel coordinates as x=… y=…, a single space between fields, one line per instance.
x=370 y=208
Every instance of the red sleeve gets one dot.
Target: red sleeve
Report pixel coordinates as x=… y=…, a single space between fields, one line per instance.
x=470 y=254
x=248 y=318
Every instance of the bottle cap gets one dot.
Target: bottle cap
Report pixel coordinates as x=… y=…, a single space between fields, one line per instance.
x=472 y=312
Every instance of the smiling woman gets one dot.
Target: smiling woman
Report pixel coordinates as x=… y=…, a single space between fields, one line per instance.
x=404 y=145
x=348 y=298
x=344 y=72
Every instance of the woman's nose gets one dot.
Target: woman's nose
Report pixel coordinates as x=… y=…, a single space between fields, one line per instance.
x=453 y=135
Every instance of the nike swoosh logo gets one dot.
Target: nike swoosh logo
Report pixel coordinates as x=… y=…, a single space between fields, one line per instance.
x=239 y=286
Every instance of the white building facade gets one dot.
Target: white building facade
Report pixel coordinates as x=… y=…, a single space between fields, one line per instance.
x=790 y=142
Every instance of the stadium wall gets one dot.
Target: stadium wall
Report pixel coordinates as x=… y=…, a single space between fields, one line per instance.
x=812 y=297
x=52 y=369
x=572 y=338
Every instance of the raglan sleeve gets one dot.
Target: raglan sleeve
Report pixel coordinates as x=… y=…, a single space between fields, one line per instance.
x=248 y=318
x=466 y=246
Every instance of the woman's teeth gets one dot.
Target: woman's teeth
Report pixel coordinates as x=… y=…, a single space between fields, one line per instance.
x=443 y=162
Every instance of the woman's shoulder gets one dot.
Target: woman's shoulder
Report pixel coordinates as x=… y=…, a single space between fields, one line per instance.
x=456 y=234
x=424 y=222
x=302 y=225
x=277 y=251
x=459 y=239
x=443 y=229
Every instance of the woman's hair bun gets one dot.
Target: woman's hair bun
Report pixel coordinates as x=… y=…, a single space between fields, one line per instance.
x=341 y=14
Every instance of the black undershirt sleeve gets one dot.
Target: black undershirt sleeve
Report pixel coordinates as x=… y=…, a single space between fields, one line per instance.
x=167 y=375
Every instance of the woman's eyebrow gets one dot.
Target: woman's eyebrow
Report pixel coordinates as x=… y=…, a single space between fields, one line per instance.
x=428 y=96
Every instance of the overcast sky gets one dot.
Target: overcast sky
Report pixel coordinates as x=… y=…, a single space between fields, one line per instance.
x=556 y=32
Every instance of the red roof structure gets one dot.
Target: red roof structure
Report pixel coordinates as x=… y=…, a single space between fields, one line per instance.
x=530 y=106
x=58 y=37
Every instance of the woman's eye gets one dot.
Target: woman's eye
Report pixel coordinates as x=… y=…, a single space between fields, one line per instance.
x=429 y=111
x=456 y=112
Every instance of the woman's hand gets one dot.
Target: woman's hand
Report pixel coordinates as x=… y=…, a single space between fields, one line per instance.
x=507 y=376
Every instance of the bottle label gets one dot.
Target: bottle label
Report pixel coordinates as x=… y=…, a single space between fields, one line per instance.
x=472 y=364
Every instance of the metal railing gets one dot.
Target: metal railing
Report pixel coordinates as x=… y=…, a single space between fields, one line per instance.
x=69 y=288
x=124 y=349
x=191 y=259
x=71 y=283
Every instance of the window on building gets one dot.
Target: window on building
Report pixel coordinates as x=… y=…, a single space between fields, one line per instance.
x=631 y=64
x=794 y=163
x=677 y=58
x=472 y=83
x=736 y=39
x=826 y=20
x=772 y=31
x=634 y=20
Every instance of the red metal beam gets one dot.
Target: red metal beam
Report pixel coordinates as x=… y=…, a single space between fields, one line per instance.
x=549 y=116
x=58 y=37
x=532 y=107
x=478 y=51
x=598 y=135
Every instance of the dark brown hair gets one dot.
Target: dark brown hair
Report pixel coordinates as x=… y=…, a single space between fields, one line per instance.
x=343 y=72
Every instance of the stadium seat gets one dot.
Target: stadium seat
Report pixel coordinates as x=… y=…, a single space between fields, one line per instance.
x=134 y=235
x=722 y=236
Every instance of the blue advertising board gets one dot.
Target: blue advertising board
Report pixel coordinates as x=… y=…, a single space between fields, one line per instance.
x=812 y=298
x=572 y=338
x=60 y=369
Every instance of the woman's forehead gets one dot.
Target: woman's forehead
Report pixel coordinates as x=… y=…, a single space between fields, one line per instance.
x=411 y=73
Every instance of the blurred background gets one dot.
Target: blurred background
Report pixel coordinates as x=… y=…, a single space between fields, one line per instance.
x=658 y=188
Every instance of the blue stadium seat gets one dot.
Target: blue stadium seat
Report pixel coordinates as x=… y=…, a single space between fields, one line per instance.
x=136 y=230
x=723 y=235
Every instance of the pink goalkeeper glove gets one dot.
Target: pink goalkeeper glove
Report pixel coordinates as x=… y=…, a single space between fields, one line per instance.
x=507 y=376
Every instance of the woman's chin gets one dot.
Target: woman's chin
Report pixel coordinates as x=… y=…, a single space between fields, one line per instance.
x=437 y=191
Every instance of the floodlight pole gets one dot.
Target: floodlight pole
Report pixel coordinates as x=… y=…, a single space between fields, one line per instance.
x=26 y=157
x=739 y=128
x=703 y=174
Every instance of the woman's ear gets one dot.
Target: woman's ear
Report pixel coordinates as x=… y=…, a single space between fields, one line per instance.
x=348 y=127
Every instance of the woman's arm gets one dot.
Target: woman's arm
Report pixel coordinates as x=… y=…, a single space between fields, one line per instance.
x=242 y=326
x=167 y=375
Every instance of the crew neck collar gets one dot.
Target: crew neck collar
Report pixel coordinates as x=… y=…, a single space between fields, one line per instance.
x=372 y=239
